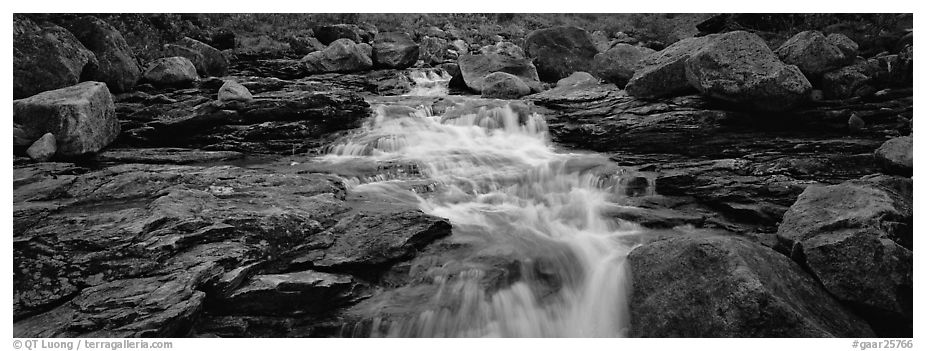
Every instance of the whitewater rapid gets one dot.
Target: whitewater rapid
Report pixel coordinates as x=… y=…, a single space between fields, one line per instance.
x=496 y=172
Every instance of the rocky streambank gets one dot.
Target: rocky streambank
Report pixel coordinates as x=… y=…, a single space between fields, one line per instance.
x=179 y=198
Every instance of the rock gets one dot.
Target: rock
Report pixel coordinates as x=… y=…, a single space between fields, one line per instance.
x=856 y=122
x=813 y=53
x=503 y=48
x=729 y=287
x=577 y=78
x=394 y=50
x=82 y=117
x=560 y=51
x=330 y=33
x=232 y=91
x=601 y=41
x=178 y=156
x=461 y=47
x=297 y=293
x=501 y=85
x=857 y=239
x=475 y=68
x=739 y=67
x=367 y=49
x=43 y=149
x=46 y=58
x=434 y=51
x=618 y=64
x=896 y=155
x=846 y=45
x=845 y=82
x=302 y=45
x=167 y=71
x=663 y=73
x=342 y=55
x=117 y=66
x=208 y=60
x=20 y=136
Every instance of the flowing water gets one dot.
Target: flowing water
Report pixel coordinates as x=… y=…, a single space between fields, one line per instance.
x=504 y=185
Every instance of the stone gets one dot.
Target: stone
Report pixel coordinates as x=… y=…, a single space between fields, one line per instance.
x=82 y=117
x=208 y=60
x=116 y=66
x=434 y=50
x=856 y=237
x=302 y=45
x=855 y=122
x=293 y=293
x=43 y=149
x=739 y=67
x=725 y=286
x=394 y=50
x=813 y=53
x=560 y=51
x=342 y=55
x=845 y=44
x=501 y=85
x=577 y=78
x=663 y=73
x=330 y=33
x=896 y=155
x=503 y=48
x=46 y=58
x=601 y=41
x=233 y=91
x=845 y=82
x=618 y=64
x=171 y=71
x=474 y=69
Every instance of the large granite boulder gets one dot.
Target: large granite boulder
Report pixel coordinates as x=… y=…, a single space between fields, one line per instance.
x=394 y=50
x=739 y=67
x=618 y=64
x=343 y=55
x=117 y=66
x=814 y=53
x=560 y=51
x=208 y=60
x=474 y=69
x=501 y=85
x=663 y=73
x=857 y=239
x=725 y=286
x=46 y=57
x=82 y=117
x=896 y=155
x=171 y=71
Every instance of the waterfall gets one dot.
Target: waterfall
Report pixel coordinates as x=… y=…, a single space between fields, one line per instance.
x=500 y=180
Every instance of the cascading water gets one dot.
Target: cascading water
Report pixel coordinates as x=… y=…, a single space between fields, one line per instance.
x=501 y=183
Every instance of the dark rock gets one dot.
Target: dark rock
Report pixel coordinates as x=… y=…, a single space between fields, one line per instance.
x=560 y=51
x=618 y=64
x=394 y=50
x=857 y=239
x=474 y=69
x=815 y=54
x=171 y=71
x=117 y=66
x=846 y=45
x=342 y=55
x=501 y=85
x=896 y=155
x=434 y=51
x=303 y=45
x=739 y=67
x=46 y=58
x=663 y=72
x=297 y=293
x=328 y=34
x=177 y=156
x=82 y=117
x=208 y=60
x=729 y=287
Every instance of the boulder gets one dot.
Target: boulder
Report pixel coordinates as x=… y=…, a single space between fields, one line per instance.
x=618 y=64
x=663 y=73
x=578 y=78
x=725 y=286
x=601 y=41
x=116 y=66
x=461 y=47
x=474 y=69
x=328 y=34
x=857 y=239
x=501 y=85
x=845 y=82
x=82 y=117
x=560 y=51
x=43 y=149
x=813 y=53
x=503 y=48
x=845 y=44
x=394 y=50
x=46 y=58
x=291 y=294
x=208 y=60
x=739 y=67
x=302 y=45
x=343 y=55
x=434 y=50
x=896 y=155
x=232 y=91
x=169 y=71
